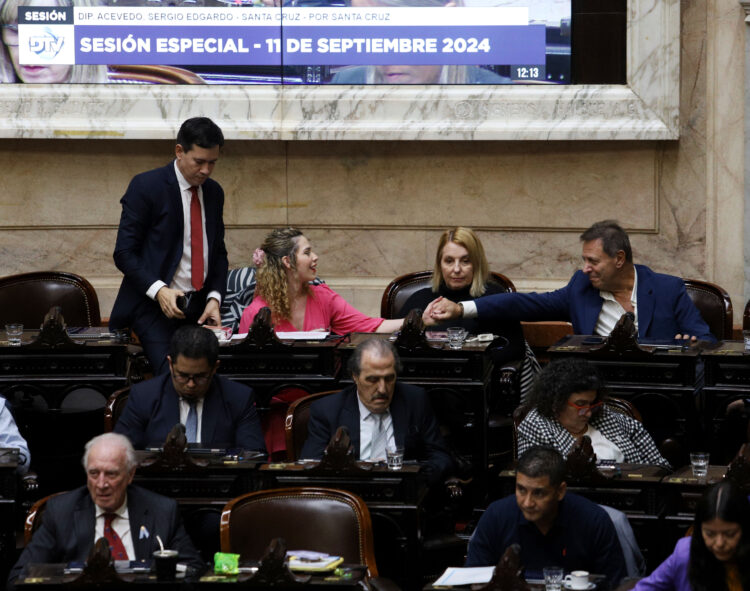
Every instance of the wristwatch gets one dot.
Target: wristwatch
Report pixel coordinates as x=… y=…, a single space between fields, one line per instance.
x=460 y=305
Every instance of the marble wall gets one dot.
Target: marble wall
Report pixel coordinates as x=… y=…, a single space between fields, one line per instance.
x=374 y=210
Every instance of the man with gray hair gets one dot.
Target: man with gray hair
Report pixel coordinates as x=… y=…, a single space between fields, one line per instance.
x=379 y=412
x=109 y=506
x=608 y=286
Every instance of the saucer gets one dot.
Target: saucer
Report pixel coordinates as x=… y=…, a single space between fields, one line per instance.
x=567 y=585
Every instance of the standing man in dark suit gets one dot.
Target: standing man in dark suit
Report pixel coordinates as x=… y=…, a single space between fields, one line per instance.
x=170 y=244
x=608 y=286
x=108 y=506
x=216 y=412
x=379 y=412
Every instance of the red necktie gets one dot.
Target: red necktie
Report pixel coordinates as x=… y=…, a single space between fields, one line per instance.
x=115 y=543
x=196 y=241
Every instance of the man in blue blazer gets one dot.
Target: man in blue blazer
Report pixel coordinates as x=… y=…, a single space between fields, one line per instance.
x=159 y=250
x=377 y=399
x=216 y=412
x=608 y=286
x=73 y=521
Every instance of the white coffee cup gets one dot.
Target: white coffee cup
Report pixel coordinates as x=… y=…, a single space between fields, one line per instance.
x=577 y=579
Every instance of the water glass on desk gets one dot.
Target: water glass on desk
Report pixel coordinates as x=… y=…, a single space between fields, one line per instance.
x=14 y=330
x=553 y=577
x=699 y=462
x=456 y=336
x=395 y=457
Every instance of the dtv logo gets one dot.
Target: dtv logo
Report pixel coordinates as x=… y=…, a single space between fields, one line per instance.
x=47 y=45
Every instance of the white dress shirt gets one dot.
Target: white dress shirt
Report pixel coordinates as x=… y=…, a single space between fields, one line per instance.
x=612 y=310
x=121 y=525
x=182 y=279
x=367 y=422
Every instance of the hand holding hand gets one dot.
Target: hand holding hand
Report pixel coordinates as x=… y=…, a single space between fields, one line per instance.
x=443 y=309
x=427 y=314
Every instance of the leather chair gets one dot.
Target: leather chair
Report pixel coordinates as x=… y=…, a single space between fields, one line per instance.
x=27 y=297
x=714 y=304
x=34 y=517
x=400 y=289
x=115 y=405
x=307 y=518
x=295 y=423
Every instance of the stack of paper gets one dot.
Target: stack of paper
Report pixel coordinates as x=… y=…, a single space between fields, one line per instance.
x=307 y=560
x=454 y=576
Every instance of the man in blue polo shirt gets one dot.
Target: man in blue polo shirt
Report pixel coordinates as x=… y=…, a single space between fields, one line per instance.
x=553 y=528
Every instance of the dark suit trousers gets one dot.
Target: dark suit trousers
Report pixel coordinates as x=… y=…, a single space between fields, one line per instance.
x=155 y=330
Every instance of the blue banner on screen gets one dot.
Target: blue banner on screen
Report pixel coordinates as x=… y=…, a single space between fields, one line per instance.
x=468 y=43
x=314 y=45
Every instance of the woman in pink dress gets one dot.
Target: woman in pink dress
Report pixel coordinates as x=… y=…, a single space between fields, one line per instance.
x=286 y=264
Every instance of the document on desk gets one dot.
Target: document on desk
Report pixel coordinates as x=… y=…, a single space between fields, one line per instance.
x=300 y=335
x=464 y=576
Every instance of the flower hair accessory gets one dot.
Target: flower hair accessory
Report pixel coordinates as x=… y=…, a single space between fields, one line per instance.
x=259 y=257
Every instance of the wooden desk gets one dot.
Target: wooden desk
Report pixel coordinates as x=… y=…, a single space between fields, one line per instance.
x=312 y=366
x=220 y=481
x=632 y=488
x=58 y=394
x=51 y=576
x=683 y=491
x=664 y=384
x=727 y=380
x=394 y=498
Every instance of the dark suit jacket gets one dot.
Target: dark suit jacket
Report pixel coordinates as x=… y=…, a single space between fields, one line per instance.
x=414 y=427
x=664 y=307
x=68 y=521
x=149 y=243
x=228 y=419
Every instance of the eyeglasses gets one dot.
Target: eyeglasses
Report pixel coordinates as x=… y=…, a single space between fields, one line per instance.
x=584 y=408
x=199 y=379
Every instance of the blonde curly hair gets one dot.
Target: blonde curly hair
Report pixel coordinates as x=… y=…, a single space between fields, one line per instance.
x=272 y=283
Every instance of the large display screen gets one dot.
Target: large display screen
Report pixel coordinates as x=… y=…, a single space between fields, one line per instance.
x=301 y=42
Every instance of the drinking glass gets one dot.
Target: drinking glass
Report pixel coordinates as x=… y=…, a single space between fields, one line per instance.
x=14 y=332
x=456 y=336
x=553 y=577
x=699 y=462
x=394 y=457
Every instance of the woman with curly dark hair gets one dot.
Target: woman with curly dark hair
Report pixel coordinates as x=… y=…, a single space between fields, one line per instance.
x=568 y=401
x=717 y=556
